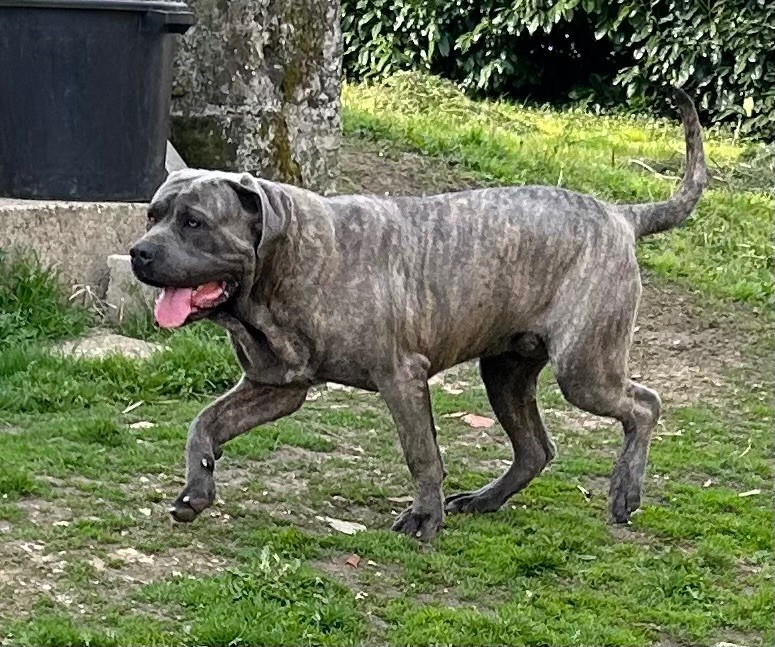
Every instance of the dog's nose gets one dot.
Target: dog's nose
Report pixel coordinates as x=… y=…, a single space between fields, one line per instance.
x=143 y=253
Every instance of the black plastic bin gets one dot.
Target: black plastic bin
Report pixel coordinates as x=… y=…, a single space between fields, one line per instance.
x=85 y=91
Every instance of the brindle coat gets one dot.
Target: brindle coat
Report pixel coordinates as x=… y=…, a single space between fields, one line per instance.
x=380 y=293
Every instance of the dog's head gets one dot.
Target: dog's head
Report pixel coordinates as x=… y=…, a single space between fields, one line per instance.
x=208 y=233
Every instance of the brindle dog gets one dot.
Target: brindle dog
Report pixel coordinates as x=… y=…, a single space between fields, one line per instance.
x=381 y=293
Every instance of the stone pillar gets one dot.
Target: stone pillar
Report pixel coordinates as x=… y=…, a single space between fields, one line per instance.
x=257 y=88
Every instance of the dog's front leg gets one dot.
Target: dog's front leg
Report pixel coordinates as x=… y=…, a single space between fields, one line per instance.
x=406 y=393
x=246 y=406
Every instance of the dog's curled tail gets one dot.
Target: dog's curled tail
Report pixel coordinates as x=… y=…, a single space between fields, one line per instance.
x=651 y=218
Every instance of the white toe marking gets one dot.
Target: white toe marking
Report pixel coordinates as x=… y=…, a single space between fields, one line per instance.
x=205 y=463
x=186 y=499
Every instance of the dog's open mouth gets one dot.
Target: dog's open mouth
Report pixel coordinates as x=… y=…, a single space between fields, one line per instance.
x=176 y=306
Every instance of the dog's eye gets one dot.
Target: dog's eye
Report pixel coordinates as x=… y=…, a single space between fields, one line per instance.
x=193 y=223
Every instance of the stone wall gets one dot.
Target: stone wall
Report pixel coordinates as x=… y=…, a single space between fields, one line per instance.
x=75 y=238
x=257 y=88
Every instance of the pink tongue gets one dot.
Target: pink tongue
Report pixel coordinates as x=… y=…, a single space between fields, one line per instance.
x=173 y=307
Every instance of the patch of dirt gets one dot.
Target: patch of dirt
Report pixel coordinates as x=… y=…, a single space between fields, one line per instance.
x=28 y=570
x=626 y=533
x=127 y=564
x=577 y=421
x=289 y=454
x=685 y=349
x=368 y=167
x=41 y=512
x=379 y=576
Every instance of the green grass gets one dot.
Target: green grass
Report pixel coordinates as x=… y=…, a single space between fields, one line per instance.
x=32 y=306
x=88 y=555
x=725 y=248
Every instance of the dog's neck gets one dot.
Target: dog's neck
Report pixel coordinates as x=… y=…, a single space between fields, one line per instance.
x=266 y=352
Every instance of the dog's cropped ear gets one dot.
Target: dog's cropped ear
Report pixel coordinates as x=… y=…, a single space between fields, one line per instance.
x=269 y=206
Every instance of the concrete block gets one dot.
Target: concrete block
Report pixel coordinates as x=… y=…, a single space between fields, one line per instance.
x=74 y=238
x=126 y=297
x=103 y=343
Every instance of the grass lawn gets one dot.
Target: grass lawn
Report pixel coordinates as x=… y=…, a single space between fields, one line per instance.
x=94 y=447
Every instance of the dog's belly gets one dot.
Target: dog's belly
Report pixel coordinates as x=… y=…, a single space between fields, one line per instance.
x=347 y=371
x=481 y=320
x=355 y=354
x=358 y=371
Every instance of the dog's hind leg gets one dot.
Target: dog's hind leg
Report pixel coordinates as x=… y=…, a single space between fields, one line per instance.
x=510 y=381
x=591 y=366
x=245 y=407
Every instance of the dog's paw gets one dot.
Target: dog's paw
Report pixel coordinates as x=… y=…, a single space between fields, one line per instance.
x=191 y=502
x=421 y=525
x=623 y=501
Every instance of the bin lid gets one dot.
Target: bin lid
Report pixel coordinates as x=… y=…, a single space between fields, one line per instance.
x=166 y=6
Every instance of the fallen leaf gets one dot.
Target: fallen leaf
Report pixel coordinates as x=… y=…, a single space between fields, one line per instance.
x=312 y=396
x=346 y=527
x=334 y=386
x=61 y=523
x=448 y=388
x=750 y=493
x=748 y=106
x=478 y=422
x=400 y=499
x=145 y=512
x=746 y=450
x=131 y=556
x=708 y=483
x=353 y=560
x=455 y=414
x=583 y=490
x=142 y=424
x=680 y=432
x=97 y=563
x=133 y=406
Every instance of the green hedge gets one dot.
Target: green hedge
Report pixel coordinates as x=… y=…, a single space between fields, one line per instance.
x=559 y=50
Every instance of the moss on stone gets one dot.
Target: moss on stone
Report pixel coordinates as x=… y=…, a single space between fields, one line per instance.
x=286 y=167
x=304 y=51
x=200 y=142
x=295 y=34
x=308 y=18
